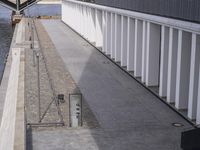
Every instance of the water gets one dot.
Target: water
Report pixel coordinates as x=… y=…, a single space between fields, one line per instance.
x=44 y=10
x=6 y=30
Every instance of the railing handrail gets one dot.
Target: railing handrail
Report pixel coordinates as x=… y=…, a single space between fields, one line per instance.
x=169 y=22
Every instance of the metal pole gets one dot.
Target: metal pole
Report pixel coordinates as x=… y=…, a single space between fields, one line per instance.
x=38 y=80
x=32 y=42
x=28 y=13
x=33 y=34
x=17 y=4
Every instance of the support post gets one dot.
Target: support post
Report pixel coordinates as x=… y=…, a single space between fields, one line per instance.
x=99 y=32
x=183 y=69
x=130 y=44
x=194 y=76
x=138 y=49
x=172 y=65
x=93 y=24
x=124 y=24
x=198 y=101
x=164 y=61
x=144 y=50
x=117 y=38
x=104 y=31
x=108 y=33
x=112 y=35
x=153 y=54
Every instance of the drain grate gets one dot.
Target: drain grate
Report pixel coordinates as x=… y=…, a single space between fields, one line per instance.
x=106 y=62
x=176 y=124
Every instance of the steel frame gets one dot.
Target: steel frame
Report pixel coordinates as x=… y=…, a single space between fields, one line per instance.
x=18 y=7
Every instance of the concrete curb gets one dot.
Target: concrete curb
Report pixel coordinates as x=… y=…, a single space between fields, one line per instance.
x=20 y=126
x=12 y=129
x=5 y=78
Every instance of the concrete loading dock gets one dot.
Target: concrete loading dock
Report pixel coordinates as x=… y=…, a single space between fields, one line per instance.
x=125 y=114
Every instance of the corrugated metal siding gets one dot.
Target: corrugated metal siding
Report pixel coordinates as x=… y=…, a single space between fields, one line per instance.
x=180 y=9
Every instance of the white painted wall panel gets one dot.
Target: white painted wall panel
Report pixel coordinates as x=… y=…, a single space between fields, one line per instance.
x=130 y=44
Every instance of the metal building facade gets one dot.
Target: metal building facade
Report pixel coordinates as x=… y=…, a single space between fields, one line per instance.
x=180 y=9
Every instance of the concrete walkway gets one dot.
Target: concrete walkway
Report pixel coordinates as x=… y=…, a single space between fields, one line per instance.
x=130 y=117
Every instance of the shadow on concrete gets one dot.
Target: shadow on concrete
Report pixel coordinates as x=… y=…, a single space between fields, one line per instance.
x=89 y=120
x=127 y=112
x=29 y=142
x=129 y=116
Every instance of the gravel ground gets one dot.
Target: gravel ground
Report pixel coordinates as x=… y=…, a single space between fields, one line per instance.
x=52 y=70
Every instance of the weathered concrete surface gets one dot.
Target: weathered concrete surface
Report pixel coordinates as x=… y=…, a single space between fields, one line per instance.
x=129 y=116
x=31 y=86
x=12 y=129
x=20 y=124
x=4 y=83
x=52 y=69
x=7 y=129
